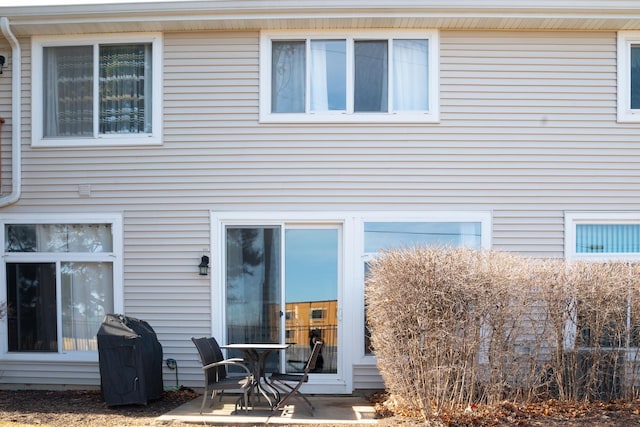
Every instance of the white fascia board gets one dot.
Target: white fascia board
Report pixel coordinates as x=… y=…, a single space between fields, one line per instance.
x=247 y=9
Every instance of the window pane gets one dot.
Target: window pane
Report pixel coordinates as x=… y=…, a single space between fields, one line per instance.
x=58 y=238
x=371 y=75
x=635 y=77
x=125 y=89
x=68 y=91
x=410 y=75
x=608 y=238
x=388 y=235
x=311 y=294
x=317 y=314
x=31 y=307
x=328 y=75
x=253 y=284
x=20 y=238
x=87 y=295
x=288 y=77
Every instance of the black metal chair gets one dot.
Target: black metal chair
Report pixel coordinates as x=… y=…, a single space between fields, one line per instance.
x=215 y=371
x=291 y=383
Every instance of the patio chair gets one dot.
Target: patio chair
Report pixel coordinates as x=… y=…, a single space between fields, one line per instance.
x=215 y=372
x=291 y=383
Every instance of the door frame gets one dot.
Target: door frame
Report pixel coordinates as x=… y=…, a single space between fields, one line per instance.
x=342 y=381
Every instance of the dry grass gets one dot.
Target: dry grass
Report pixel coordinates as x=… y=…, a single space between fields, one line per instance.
x=453 y=328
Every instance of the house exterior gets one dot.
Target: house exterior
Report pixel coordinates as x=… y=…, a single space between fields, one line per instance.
x=290 y=142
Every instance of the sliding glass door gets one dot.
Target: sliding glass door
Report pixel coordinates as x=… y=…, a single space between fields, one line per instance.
x=281 y=285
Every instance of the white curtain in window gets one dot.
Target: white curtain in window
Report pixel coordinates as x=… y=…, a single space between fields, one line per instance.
x=319 y=83
x=328 y=75
x=51 y=238
x=67 y=91
x=91 y=238
x=288 y=77
x=411 y=77
x=87 y=295
x=125 y=89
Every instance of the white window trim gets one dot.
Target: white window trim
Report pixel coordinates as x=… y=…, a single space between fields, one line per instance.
x=432 y=116
x=483 y=217
x=37 y=45
x=625 y=113
x=572 y=219
x=115 y=257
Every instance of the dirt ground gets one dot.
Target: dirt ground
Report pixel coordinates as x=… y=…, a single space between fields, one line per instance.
x=27 y=408
x=82 y=408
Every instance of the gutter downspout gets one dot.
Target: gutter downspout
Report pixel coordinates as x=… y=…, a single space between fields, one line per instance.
x=16 y=125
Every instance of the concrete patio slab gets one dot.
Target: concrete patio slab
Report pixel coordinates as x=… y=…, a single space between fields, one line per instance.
x=333 y=410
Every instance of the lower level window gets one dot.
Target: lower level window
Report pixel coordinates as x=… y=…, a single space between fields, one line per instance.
x=605 y=237
x=386 y=235
x=59 y=285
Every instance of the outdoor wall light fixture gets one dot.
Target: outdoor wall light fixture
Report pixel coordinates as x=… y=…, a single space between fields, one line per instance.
x=2 y=61
x=204 y=265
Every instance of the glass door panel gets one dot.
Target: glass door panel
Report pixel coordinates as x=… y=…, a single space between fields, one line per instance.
x=253 y=286
x=311 y=296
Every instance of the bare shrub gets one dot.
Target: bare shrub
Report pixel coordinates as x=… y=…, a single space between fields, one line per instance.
x=452 y=327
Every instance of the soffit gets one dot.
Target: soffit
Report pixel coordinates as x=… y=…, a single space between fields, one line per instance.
x=239 y=15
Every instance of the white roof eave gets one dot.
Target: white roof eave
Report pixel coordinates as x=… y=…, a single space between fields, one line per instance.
x=172 y=15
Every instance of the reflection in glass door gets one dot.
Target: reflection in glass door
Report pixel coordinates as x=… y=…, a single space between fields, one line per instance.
x=263 y=264
x=311 y=296
x=253 y=285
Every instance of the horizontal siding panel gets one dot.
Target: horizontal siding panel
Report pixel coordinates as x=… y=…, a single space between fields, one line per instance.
x=50 y=374
x=539 y=234
x=367 y=377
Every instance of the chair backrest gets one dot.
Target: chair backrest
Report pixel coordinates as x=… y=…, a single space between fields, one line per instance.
x=210 y=352
x=311 y=363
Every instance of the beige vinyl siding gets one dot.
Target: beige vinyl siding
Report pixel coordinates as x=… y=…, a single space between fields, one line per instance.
x=528 y=130
x=5 y=113
x=80 y=375
x=162 y=286
x=367 y=377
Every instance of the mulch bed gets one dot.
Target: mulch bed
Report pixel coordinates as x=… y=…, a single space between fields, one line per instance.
x=76 y=408
x=549 y=413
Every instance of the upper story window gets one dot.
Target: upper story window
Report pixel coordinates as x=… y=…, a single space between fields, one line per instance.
x=358 y=77
x=628 y=76
x=93 y=92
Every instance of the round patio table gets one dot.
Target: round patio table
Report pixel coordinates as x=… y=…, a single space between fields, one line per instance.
x=255 y=355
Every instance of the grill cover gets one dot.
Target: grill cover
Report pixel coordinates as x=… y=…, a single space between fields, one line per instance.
x=130 y=358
